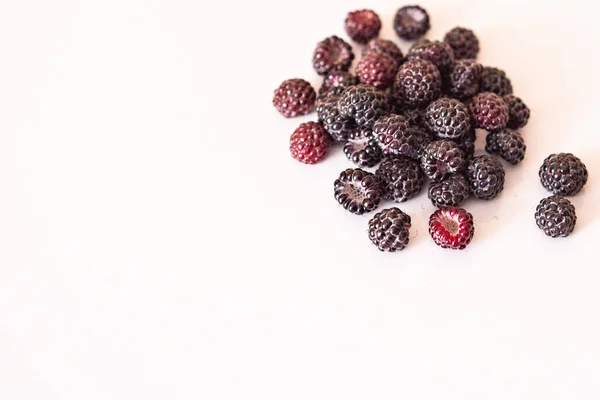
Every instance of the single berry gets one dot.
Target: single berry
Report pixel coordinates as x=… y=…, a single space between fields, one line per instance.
x=294 y=97
x=448 y=118
x=464 y=43
x=411 y=22
x=362 y=25
x=357 y=191
x=438 y=53
x=338 y=126
x=386 y=47
x=332 y=54
x=486 y=177
x=467 y=143
x=337 y=81
x=518 y=112
x=555 y=215
x=495 y=80
x=364 y=104
x=563 y=174
x=309 y=143
x=441 y=159
x=401 y=178
x=388 y=230
x=451 y=228
x=377 y=69
x=417 y=83
x=397 y=137
x=464 y=79
x=489 y=111
x=452 y=191
x=362 y=149
x=508 y=144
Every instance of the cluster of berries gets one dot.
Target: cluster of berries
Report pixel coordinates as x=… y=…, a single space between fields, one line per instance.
x=416 y=116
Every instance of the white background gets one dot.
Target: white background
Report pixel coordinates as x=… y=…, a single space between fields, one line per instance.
x=157 y=241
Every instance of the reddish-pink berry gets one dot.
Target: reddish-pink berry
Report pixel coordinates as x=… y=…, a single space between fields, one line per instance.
x=309 y=143
x=451 y=228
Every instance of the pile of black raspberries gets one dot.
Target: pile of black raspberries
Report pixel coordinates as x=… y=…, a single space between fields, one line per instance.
x=416 y=116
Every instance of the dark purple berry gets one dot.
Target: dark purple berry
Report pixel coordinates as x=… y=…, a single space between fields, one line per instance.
x=486 y=177
x=363 y=104
x=332 y=54
x=401 y=178
x=464 y=43
x=464 y=79
x=518 y=112
x=555 y=216
x=441 y=159
x=448 y=118
x=294 y=97
x=377 y=69
x=495 y=80
x=389 y=230
x=385 y=46
x=489 y=111
x=411 y=22
x=417 y=83
x=563 y=174
x=362 y=25
x=439 y=54
x=508 y=144
x=357 y=191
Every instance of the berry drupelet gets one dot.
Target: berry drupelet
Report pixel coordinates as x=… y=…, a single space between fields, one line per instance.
x=411 y=22
x=485 y=175
x=438 y=53
x=448 y=118
x=464 y=79
x=294 y=97
x=337 y=81
x=377 y=69
x=417 y=83
x=518 y=112
x=495 y=80
x=441 y=159
x=467 y=143
x=332 y=54
x=389 y=229
x=386 y=47
x=338 y=126
x=563 y=174
x=464 y=43
x=357 y=191
x=362 y=25
x=489 y=111
x=364 y=104
x=452 y=191
x=362 y=149
x=451 y=228
x=508 y=144
x=555 y=216
x=401 y=178
x=309 y=143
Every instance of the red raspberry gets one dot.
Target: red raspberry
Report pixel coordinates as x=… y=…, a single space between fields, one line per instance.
x=309 y=143
x=294 y=97
x=362 y=25
x=451 y=228
x=377 y=69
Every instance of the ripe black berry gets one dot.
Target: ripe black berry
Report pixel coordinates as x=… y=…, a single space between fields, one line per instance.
x=362 y=25
x=486 y=177
x=508 y=144
x=417 y=83
x=362 y=149
x=389 y=229
x=411 y=22
x=385 y=46
x=364 y=104
x=309 y=143
x=377 y=69
x=338 y=126
x=464 y=79
x=448 y=118
x=441 y=159
x=357 y=191
x=452 y=191
x=397 y=137
x=489 y=111
x=464 y=43
x=495 y=80
x=451 y=228
x=294 y=97
x=518 y=112
x=401 y=178
x=467 y=143
x=439 y=54
x=555 y=215
x=563 y=174
x=332 y=54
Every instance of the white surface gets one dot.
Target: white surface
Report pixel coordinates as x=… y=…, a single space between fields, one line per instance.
x=158 y=242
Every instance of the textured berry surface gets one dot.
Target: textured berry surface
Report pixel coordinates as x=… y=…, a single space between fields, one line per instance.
x=338 y=126
x=332 y=54
x=417 y=83
x=415 y=116
x=309 y=143
x=337 y=81
x=411 y=22
x=441 y=159
x=555 y=216
x=451 y=228
x=464 y=43
x=467 y=143
x=362 y=149
x=452 y=191
x=486 y=177
x=438 y=53
x=362 y=25
x=401 y=178
x=508 y=144
x=489 y=111
x=397 y=137
x=386 y=47
x=563 y=174
x=389 y=230
x=294 y=97
x=377 y=69
x=495 y=80
x=357 y=191
x=364 y=104
x=518 y=112
x=464 y=79
x=448 y=118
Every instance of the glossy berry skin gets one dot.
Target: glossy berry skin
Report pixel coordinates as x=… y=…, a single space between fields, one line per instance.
x=338 y=126
x=377 y=69
x=386 y=47
x=489 y=111
x=563 y=174
x=362 y=149
x=332 y=54
x=401 y=178
x=389 y=230
x=495 y=80
x=364 y=104
x=555 y=216
x=309 y=143
x=464 y=43
x=395 y=136
x=464 y=79
x=294 y=97
x=362 y=25
x=441 y=159
x=452 y=191
x=417 y=83
x=358 y=191
x=438 y=53
x=448 y=118
x=467 y=143
x=411 y=22
x=485 y=175
x=337 y=81
x=508 y=144
x=518 y=112
x=451 y=228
